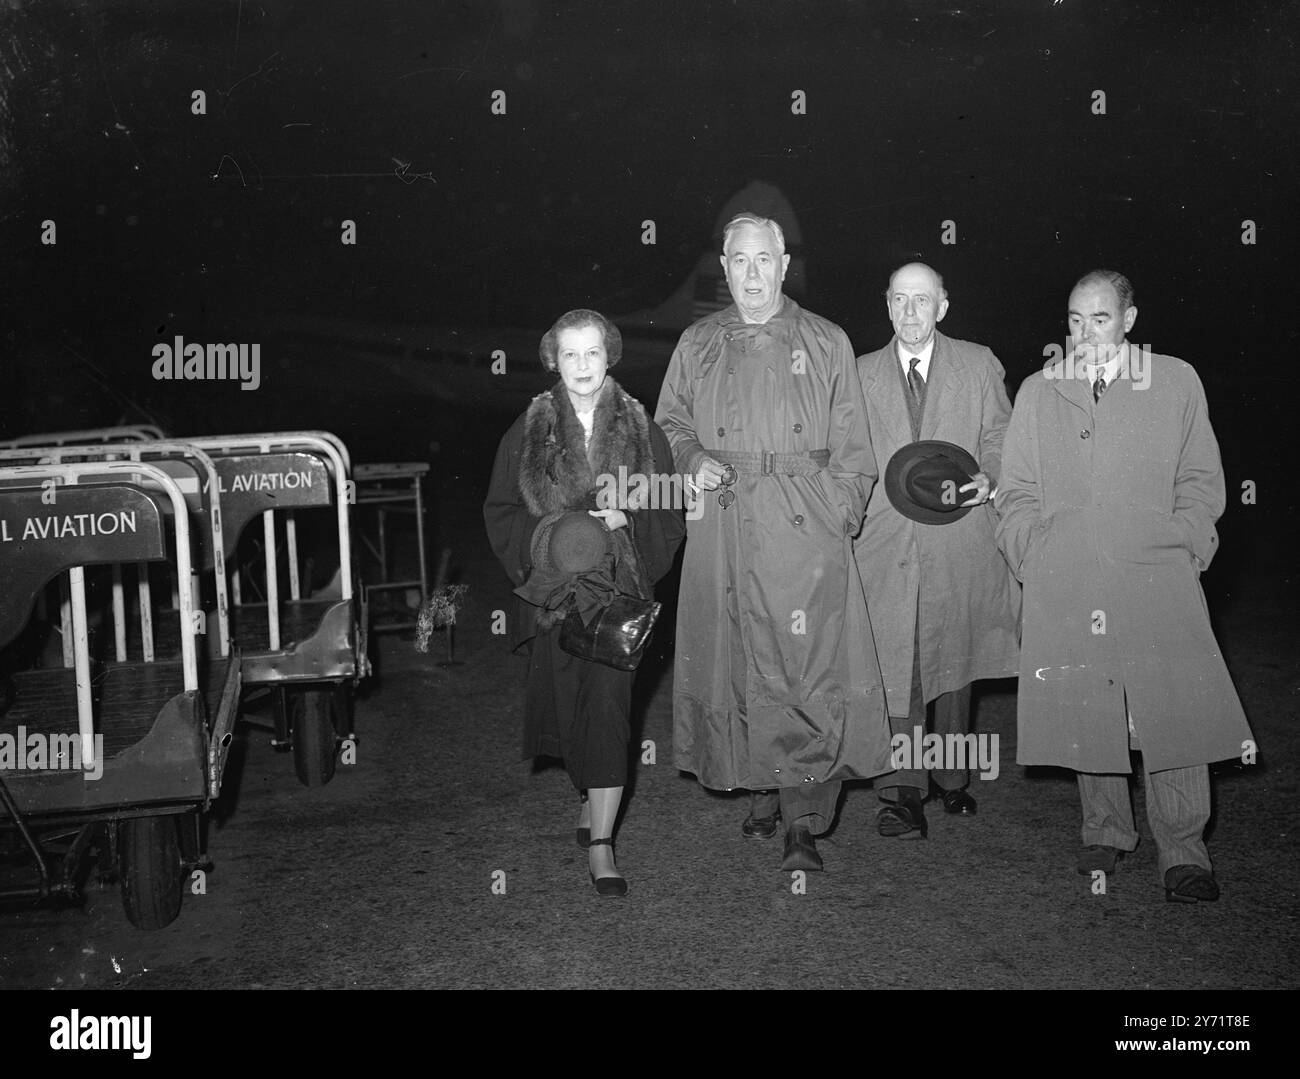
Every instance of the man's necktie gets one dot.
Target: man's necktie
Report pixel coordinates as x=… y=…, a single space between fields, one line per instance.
x=1098 y=388
x=915 y=380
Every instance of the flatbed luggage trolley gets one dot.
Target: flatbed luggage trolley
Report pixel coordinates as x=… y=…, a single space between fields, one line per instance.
x=121 y=755
x=199 y=483
x=139 y=432
x=309 y=647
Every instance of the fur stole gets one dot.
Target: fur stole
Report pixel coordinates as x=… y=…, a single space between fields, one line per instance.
x=556 y=472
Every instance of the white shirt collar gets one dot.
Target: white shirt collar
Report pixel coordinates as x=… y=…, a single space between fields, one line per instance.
x=905 y=357
x=1108 y=370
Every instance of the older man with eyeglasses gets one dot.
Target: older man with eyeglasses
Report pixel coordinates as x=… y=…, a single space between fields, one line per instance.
x=777 y=689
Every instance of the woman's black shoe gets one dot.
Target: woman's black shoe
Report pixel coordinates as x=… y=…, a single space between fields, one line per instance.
x=607 y=885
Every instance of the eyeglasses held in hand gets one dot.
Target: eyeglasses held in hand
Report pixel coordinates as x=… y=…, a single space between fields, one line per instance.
x=727 y=496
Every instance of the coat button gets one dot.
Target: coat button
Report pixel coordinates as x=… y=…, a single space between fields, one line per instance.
x=731 y=370
x=1085 y=433
x=902 y=565
x=798 y=518
x=798 y=428
x=722 y=432
x=1110 y=681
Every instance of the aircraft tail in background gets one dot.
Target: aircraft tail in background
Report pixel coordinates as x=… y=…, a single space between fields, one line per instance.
x=705 y=289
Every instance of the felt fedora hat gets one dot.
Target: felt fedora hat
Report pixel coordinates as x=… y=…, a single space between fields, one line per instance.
x=923 y=481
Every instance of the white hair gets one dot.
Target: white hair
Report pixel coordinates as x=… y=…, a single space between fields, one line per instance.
x=758 y=222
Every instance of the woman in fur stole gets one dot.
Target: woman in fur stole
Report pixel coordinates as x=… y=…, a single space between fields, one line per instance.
x=562 y=458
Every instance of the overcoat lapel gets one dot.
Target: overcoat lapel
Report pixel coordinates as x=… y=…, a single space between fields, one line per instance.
x=1077 y=391
x=942 y=387
x=882 y=386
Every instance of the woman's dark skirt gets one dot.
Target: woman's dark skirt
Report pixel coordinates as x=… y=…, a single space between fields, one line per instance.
x=579 y=712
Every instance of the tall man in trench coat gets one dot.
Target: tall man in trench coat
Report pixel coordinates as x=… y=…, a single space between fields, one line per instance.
x=776 y=681
x=944 y=605
x=1111 y=484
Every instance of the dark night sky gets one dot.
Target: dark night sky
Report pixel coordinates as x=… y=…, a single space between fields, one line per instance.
x=917 y=112
x=484 y=228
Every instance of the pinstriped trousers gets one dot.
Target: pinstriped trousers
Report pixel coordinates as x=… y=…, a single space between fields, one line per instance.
x=951 y=715
x=1178 y=808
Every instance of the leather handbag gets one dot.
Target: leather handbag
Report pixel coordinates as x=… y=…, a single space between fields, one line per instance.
x=616 y=637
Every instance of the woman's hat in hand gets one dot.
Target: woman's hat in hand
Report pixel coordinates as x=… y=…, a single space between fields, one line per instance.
x=574 y=543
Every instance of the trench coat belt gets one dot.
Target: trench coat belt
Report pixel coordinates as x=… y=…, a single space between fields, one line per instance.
x=767 y=463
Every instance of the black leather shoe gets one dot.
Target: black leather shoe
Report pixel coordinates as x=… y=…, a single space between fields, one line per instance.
x=1095 y=857
x=800 y=850
x=906 y=820
x=759 y=827
x=958 y=802
x=1190 y=884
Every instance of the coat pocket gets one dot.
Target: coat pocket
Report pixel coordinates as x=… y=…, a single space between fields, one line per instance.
x=1039 y=537
x=1060 y=543
x=833 y=515
x=1146 y=536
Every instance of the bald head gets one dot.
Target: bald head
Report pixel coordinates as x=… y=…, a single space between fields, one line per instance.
x=917 y=303
x=917 y=272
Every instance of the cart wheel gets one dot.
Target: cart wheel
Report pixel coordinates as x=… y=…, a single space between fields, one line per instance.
x=151 y=870
x=315 y=748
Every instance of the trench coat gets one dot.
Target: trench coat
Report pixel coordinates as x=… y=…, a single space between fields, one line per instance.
x=1106 y=513
x=954 y=574
x=776 y=681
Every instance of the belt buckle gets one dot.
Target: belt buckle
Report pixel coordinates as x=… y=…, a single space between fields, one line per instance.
x=769 y=462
